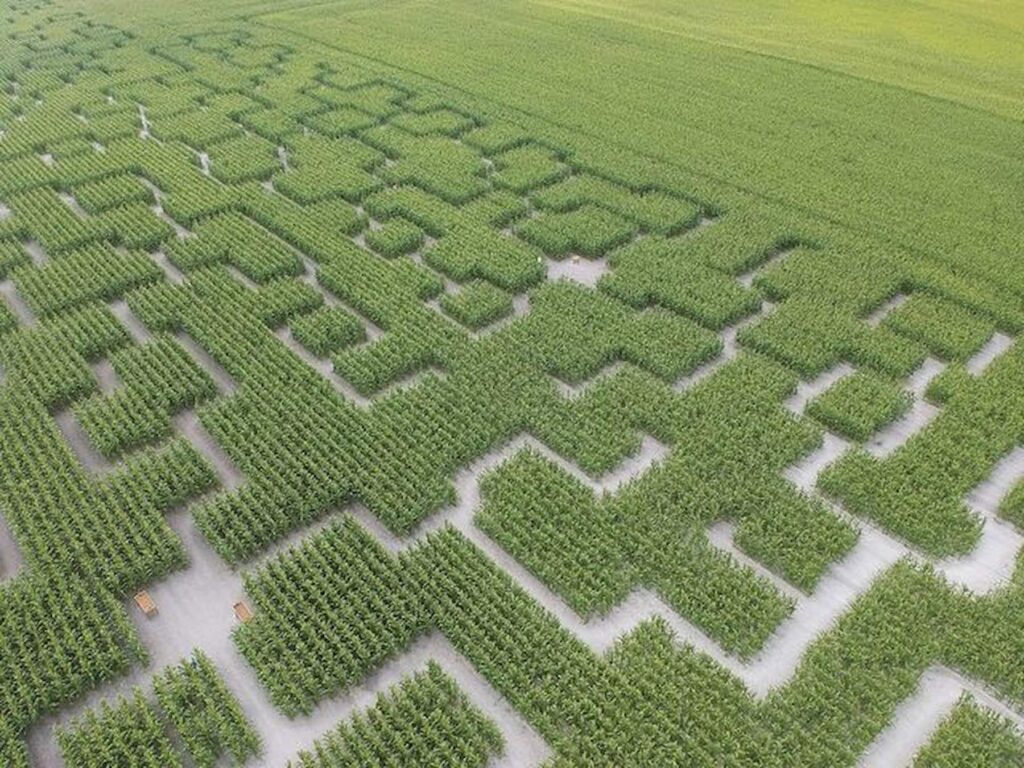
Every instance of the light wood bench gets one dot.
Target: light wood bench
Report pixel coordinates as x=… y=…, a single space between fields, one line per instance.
x=145 y=603
x=242 y=612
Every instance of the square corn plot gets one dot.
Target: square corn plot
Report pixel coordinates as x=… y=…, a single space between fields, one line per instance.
x=859 y=405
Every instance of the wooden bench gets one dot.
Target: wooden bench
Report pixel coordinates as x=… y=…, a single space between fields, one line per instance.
x=145 y=603
x=242 y=612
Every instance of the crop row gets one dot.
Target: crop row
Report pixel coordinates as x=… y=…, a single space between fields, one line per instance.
x=132 y=732
x=330 y=612
x=828 y=297
x=46 y=218
x=918 y=491
x=649 y=699
x=205 y=713
x=425 y=721
x=972 y=736
x=359 y=588
x=321 y=168
x=477 y=304
x=327 y=330
x=62 y=637
x=110 y=192
x=95 y=272
x=234 y=239
x=395 y=238
x=158 y=379
x=859 y=405
x=244 y=159
x=12 y=256
x=126 y=733
x=49 y=361
x=653 y=211
x=8 y=320
x=65 y=523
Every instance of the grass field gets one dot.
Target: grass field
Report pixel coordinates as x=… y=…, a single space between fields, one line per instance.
x=965 y=52
x=892 y=162
x=569 y=383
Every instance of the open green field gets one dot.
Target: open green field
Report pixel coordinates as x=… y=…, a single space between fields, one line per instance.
x=567 y=383
x=965 y=52
x=935 y=161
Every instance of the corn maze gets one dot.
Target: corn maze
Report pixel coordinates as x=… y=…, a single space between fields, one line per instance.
x=513 y=450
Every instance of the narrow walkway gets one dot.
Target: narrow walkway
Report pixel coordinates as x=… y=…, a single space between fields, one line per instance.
x=11 y=561
x=918 y=718
x=92 y=461
x=730 y=348
x=806 y=391
x=586 y=272
x=747 y=279
x=139 y=333
x=9 y=294
x=878 y=315
x=984 y=357
x=920 y=415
